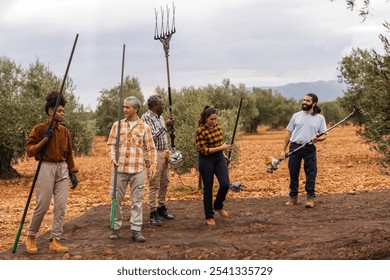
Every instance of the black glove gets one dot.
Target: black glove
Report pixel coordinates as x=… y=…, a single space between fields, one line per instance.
x=73 y=178
x=49 y=133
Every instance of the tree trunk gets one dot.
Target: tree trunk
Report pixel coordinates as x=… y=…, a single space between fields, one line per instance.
x=6 y=169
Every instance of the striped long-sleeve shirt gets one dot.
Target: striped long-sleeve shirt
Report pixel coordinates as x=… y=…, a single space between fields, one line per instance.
x=158 y=129
x=135 y=146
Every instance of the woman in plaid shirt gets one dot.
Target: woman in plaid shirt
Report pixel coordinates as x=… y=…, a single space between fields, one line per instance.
x=212 y=161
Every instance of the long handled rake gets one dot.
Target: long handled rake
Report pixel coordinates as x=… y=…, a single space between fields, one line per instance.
x=113 y=199
x=164 y=35
x=43 y=151
x=273 y=163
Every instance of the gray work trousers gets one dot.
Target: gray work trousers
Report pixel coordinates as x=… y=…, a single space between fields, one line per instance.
x=52 y=181
x=137 y=189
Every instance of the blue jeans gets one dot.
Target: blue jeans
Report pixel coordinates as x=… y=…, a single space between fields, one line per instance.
x=210 y=165
x=309 y=156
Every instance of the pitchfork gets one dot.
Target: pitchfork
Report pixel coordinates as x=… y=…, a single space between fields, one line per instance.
x=164 y=35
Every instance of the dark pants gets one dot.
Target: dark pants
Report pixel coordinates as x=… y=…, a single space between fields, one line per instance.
x=309 y=156
x=214 y=164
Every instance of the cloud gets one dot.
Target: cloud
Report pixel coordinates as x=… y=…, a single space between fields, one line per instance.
x=255 y=42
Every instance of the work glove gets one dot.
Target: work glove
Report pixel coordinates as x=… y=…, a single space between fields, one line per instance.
x=49 y=133
x=73 y=178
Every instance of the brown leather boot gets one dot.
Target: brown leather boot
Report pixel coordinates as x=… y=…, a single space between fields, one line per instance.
x=210 y=222
x=310 y=202
x=292 y=201
x=56 y=247
x=31 y=246
x=222 y=212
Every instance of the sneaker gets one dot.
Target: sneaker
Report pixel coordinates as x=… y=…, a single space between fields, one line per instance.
x=222 y=212
x=137 y=236
x=31 y=246
x=292 y=201
x=210 y=222
x=163 y=212
x=56 y=247
x=154 y=219
x=310 y=202
x=114 y=234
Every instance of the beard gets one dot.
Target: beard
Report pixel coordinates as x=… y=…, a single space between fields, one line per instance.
x=160 y=111
x=307 y=107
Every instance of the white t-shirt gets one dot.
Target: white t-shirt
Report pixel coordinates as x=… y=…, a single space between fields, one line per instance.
x=305 y=126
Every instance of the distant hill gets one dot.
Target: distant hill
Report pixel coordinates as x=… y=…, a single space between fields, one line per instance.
x=325 y=90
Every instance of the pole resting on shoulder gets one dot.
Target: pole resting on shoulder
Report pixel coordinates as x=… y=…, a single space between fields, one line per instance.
x=164 y=33
x=43 y=149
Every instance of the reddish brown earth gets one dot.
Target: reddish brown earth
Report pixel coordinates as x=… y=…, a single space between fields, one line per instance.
x=351 y=218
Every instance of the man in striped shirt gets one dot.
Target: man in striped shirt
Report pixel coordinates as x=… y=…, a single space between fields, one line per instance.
x=158 y=185
x=136 y=147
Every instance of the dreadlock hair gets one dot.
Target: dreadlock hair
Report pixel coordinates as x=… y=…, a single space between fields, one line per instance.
x=51 y=100
x=316 y=109
x=207 y=112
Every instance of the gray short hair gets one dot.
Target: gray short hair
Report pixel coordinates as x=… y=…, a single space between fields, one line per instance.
x=154 y=100
x=134 y=101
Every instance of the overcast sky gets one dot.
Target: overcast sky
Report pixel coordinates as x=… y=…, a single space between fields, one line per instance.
x=254 y=42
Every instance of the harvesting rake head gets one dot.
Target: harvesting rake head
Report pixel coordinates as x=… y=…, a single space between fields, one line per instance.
x=272 y=164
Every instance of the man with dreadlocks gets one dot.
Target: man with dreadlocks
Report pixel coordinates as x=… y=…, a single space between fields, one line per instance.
x=303 y=128
x=53 y=178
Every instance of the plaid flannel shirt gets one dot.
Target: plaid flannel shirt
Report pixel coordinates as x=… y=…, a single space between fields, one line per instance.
x=208 y=138
x=135 y=146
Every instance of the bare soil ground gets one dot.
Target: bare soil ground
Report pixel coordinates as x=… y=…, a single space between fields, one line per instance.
x=351 y=218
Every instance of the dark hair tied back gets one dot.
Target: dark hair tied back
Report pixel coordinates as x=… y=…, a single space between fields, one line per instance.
x=207 y=112
x=316 y=108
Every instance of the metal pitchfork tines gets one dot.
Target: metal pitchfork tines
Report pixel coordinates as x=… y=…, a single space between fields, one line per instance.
x=164 y=35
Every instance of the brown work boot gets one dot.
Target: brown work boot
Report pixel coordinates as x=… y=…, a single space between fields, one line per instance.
x=56 y=247
x=310 y=202
x=210 y=222
x=222 y=212
x=137 y=236
x=292 y=201
x=31 y=246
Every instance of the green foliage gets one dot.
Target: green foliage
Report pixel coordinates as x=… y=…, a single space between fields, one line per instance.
x=82 y=125
x=22 y=97
x=186 y=121
x=11 y=121
x=108 y=106
x=368 y=75
x=333 y=111
x=187 y=104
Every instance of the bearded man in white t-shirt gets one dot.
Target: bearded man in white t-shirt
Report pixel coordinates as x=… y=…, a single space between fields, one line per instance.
x=302 y=129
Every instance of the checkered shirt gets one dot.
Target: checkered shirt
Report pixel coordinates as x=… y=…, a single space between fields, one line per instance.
x=207 y=138
x=135 y=146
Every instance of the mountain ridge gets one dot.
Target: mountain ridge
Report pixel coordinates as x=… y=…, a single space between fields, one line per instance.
x=325 y=90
